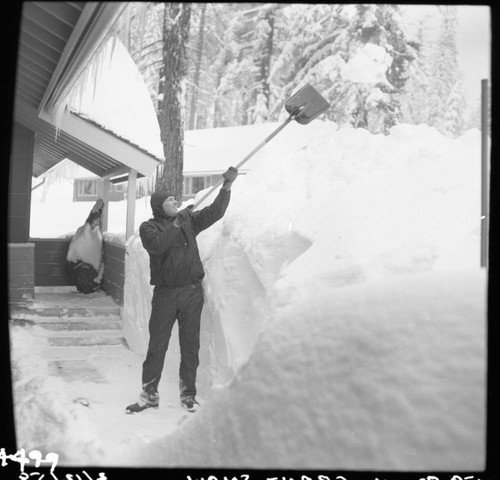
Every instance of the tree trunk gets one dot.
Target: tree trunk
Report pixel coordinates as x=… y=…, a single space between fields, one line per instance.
x=196 y=81
x=265 y=62
x=170 y=115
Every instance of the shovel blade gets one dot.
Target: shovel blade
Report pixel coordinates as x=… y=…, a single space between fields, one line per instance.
x=312 y=102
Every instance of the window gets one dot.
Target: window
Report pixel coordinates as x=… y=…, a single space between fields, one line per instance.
x=187 y=185
x=198 y=184
x=192 y=185
x=87 y=187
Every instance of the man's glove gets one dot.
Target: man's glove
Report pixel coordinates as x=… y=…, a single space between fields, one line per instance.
x=229 y=177
x=183 y=215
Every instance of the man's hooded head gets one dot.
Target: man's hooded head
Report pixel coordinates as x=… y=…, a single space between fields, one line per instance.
x=157 y=200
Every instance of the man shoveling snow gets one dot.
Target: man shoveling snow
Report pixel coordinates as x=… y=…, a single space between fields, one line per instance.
x=176 y=273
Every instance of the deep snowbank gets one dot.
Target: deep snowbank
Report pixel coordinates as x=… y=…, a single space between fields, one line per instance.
x=345 y=315
x=389 y=375
x=46 y=419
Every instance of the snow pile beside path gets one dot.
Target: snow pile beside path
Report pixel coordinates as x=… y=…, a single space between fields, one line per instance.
x=46 y=420
x=137 y=294
x=383 y=376
x=346 y=310
x=354 y=207
x=348 y=207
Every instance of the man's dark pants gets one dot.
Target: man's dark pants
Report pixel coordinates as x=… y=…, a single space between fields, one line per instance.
x=168 y=304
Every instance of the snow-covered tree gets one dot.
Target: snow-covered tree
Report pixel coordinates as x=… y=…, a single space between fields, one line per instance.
x=141 y=33
x=453 y=121
x=375 y=103
x=414 y=98
x=262 y=47
x=225 y=72
x=244 y=64
x=197 y=63
x=244 y=60
x=309 y=39
x=447 y=89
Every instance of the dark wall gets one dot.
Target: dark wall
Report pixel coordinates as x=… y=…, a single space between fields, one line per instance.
x=114 y=270
x=50 y=265
x=20 y=272
x=50 y=261
x=20 y=172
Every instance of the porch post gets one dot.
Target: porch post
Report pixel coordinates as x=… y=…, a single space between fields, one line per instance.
x=131 y=193
x=106 y=187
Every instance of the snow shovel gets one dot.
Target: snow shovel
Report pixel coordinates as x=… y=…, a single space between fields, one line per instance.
x=304 y=106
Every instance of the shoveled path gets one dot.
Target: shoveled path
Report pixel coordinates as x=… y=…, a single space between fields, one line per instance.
x=84 y=346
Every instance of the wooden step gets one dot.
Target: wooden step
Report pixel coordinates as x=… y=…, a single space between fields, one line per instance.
x=72 y=319
x=63 y=311
x=85 y=341
x=109 y=322
x=85 y=338
x=68 y=304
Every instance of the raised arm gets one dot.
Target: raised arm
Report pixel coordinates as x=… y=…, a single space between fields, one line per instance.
x=207 y=216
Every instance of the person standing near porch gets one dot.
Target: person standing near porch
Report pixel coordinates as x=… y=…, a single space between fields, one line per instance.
x=176 y=273
x=84 y=259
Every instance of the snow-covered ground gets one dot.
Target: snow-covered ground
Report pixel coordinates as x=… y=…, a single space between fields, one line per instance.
x=345 y=316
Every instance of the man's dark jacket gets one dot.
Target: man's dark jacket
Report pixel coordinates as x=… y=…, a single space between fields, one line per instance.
x=174 y=258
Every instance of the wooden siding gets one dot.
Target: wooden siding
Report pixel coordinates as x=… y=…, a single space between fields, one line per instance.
x=50 y=262
x=20 y=272
x=114 y=270
x=21 y=165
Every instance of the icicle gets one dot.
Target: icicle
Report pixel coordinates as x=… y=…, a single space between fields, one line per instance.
x=91 y=73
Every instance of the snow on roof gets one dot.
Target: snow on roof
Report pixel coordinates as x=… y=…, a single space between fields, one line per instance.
x=115 y=97
x=213 y=150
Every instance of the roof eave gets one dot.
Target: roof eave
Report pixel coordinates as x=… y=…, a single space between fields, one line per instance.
x=92 y=27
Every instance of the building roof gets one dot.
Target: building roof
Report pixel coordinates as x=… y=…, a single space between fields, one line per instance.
x=56 y=42
x=213 y=150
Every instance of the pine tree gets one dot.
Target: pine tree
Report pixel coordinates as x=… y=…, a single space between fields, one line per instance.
x=453 y=123
x=244 y=60
x=197 y=61
x=416 y=96
x=262 y=48
x=227 y=71
x=446 y=91
x=243 y=80
x=378 y=107
x=308 y=40
x=141 y=32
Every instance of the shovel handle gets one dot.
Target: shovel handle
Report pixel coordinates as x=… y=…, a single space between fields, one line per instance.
x=252 y=153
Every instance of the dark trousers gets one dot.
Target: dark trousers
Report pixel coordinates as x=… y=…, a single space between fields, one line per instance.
x=183 y=304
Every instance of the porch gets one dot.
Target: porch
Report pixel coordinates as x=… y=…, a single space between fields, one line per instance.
x=57 y=43
x=37 y=273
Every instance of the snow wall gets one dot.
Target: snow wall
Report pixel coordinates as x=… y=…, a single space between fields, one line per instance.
x=344 y=324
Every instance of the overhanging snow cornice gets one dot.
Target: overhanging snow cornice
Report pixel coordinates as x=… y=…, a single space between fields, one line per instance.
x=94 y=23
